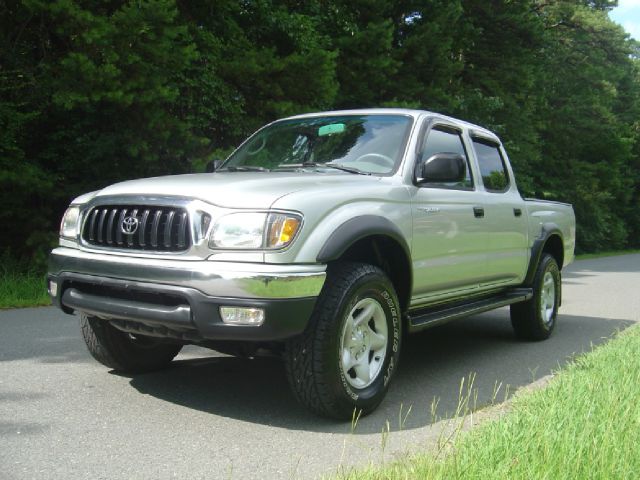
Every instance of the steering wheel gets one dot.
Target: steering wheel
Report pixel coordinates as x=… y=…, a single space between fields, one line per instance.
x=377 y=158
x=256 y=149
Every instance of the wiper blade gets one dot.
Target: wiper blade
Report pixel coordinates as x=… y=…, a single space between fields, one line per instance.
x=245 y=168
x=336 y=166
x=344 y=168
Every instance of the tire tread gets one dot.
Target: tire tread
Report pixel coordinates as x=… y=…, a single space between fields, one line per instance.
x=525 y=315
x=113 y=349
x=305 y=368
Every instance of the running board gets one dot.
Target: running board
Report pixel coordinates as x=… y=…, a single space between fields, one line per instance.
x=422 y=319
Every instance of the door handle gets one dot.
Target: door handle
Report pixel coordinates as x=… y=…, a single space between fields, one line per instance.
x=478 y=212
x=517 y=212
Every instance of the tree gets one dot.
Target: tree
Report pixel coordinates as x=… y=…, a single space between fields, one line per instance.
x=96 y=92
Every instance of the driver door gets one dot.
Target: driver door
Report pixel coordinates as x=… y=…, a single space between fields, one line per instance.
x=449 y=231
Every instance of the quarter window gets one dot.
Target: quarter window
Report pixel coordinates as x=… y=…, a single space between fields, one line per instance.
x=492 y=168
x=447 y=141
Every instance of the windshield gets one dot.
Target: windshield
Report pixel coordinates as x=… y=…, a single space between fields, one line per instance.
x=368 y=144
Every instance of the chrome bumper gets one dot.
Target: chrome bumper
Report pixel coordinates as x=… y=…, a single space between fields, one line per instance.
x=181 y=299
x=220 y=279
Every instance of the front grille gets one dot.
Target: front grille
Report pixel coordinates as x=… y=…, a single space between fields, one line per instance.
x=138 y=227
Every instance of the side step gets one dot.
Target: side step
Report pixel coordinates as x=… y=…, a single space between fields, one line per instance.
x=438 y=315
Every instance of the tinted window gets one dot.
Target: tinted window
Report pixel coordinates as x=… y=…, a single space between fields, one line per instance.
x=492 y=169
x=440 y=141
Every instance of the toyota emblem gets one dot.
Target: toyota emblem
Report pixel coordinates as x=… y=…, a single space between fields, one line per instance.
x=129 y=225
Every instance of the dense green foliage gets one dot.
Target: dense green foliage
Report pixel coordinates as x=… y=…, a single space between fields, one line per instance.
x=95 y=92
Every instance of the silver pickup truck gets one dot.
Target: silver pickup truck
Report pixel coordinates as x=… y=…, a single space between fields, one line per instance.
x=324 y=238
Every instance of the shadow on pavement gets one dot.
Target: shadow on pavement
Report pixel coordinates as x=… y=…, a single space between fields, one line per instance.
x=432 y=366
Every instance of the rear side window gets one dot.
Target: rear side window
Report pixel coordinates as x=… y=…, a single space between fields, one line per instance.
x=492 y=168
x=447 y=141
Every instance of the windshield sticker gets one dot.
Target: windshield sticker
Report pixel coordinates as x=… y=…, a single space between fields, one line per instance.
x=331 y=129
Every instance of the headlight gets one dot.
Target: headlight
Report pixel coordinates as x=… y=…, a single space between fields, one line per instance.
x=239 y=230
x=69 y=224
x=253 y=231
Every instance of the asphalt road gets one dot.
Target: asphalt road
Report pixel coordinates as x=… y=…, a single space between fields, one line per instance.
x=62 y=415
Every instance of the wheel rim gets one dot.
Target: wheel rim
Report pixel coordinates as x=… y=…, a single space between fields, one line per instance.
x=363 y=346
x=548 y=298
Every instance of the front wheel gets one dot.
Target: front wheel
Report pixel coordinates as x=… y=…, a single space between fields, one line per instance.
x=536 y=318
x=125 y=352
x=345 y=359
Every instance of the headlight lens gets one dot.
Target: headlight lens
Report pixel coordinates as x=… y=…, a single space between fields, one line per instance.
x=69 y=224
x=239 y=230
x=253 y=231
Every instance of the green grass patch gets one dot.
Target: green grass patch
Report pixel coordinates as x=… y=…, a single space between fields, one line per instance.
x=21 y=286
x=584 y=424
x=614 y=253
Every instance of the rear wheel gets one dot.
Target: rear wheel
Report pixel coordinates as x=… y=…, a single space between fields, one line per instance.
x=125 y=352
x=345 y=359
x=536 y=318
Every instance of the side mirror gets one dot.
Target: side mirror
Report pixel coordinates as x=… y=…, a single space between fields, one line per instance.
x=441 y=168
x=213 y=165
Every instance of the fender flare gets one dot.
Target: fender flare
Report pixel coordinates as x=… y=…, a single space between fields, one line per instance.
x=548 y=230
x=356 y=229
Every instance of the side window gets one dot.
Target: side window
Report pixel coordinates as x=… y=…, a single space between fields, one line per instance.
x=492 y=168
x=447 y=141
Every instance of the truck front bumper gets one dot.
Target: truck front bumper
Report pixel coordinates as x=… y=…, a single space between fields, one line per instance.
x=182 y=299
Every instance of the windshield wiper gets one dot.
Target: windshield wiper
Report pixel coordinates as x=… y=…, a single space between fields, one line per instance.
x=336 y=166
x=245 y=168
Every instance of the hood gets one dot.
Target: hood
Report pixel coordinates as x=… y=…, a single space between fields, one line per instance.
x=237 y=189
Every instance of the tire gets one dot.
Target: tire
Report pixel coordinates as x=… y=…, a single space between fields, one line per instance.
x=342 y=364
x=536 y=318
x=123 y=352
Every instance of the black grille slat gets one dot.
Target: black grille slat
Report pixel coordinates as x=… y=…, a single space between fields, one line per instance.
x=112 y=216
x=167 y=229
x=182 y=230
x=100 y=236
x=143 y=228
x=154 y=228
x=92 y=224
x=117 y=227
x=157 y=228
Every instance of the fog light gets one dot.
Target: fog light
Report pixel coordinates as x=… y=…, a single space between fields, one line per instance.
x=53 y=288
x=242 y=316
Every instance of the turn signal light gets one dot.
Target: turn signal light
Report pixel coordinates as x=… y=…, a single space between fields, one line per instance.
x=282 y=229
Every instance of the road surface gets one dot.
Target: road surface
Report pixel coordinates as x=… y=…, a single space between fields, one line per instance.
x=62 y=415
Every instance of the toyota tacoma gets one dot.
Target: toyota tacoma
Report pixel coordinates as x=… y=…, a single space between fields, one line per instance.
x=324 y=238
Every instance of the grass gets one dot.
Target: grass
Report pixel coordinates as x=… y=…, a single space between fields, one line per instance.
x=20 y=287
x=584 y=424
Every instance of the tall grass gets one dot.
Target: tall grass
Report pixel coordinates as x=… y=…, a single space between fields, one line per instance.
x=585 y=424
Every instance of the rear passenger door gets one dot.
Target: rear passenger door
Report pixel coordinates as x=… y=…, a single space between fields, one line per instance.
x=449 y=240
x=505 y=216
